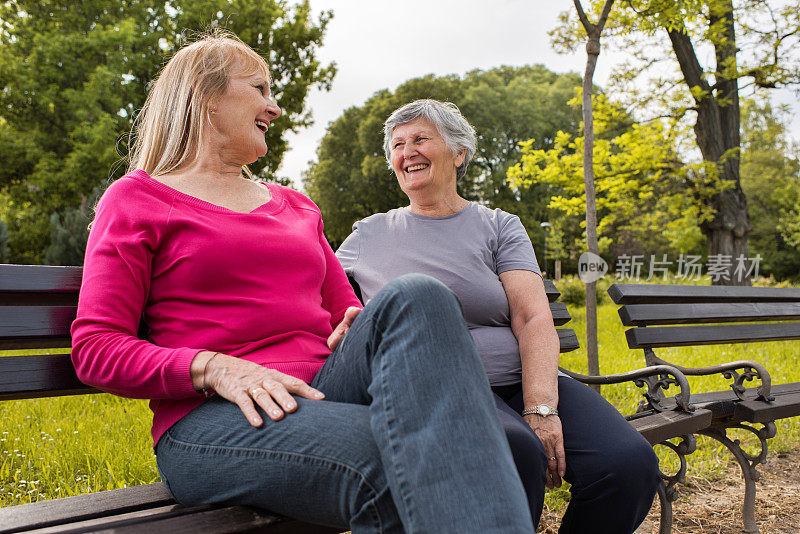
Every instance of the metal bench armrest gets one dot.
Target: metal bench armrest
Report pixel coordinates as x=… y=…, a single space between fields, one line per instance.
x=656 y=378
x=739 y=372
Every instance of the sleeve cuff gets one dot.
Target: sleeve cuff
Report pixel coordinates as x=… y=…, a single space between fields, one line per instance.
x=178 y=373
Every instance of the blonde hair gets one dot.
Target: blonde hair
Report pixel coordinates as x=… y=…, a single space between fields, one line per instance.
x=171 y=126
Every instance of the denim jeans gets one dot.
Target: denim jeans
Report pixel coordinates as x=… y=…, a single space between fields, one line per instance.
x=407 y=439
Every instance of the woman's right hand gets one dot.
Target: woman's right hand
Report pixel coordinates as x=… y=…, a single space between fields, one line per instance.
x=248 y=384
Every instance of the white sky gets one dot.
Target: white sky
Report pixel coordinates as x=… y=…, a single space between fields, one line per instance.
x=379 y=44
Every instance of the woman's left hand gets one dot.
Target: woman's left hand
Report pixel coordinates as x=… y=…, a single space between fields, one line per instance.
x=342 y=328
x=549 y=431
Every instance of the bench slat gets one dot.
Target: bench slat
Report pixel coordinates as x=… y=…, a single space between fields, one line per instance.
x=145 y=509
x=35 y=321
x=219 y=520
x=83 y=507
x=23 y=377
x=560 y=314
x=550 y=289
x=763 y=412
x=40 y=278
x=567 y=339
x=657 y=427
x=664 y=294
x=679 y=336
x=659 y=314
x=229 y=519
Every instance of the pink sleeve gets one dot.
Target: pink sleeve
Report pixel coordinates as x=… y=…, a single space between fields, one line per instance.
x=116 y=282
x=337 y=293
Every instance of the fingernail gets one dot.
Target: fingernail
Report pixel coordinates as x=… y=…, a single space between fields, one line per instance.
x=319 y=395
x=291 y=406
x=275 y=413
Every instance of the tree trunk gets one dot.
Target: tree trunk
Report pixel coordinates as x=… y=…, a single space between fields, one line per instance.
x=592 y=353
x=717 y=133
x=593 y=31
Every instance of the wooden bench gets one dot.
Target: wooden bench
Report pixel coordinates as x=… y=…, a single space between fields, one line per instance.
x=37 y=306
x=679 y=316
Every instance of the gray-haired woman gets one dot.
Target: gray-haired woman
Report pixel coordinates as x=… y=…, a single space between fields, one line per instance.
x=556 y=426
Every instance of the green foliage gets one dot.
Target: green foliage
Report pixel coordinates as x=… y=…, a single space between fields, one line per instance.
x=350 y=179
x=640 y=183
x=72 y=80
x=573 y=290
x=69 y=232
x=771 y=180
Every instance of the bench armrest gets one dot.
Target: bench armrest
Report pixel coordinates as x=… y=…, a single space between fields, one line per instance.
x=739 y=372
x=656 y=378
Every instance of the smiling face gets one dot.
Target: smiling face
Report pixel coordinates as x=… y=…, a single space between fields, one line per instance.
x=241 y=117
x=421 y=160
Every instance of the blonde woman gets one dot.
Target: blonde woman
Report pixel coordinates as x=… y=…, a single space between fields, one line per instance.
x=258 y=396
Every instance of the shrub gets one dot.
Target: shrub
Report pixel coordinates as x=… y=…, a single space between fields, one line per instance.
x=573 y=290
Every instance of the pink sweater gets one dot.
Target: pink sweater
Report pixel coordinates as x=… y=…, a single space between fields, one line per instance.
x=263 y=285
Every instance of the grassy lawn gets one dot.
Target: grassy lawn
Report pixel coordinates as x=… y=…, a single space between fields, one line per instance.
x=58 y=447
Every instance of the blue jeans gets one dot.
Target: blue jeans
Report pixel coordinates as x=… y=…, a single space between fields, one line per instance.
x=612 y=469
x=407 y=439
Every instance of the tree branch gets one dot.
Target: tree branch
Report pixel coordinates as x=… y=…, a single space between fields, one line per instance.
x=587 y=26
x=687 y=59
x=604 y=15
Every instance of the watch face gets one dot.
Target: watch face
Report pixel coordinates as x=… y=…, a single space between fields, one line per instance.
x=544 y=410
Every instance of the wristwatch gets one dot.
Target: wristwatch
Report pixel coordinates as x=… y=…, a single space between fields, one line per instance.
x=540 y=409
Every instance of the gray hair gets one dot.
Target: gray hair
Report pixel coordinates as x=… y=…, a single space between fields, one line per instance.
x=457 y=133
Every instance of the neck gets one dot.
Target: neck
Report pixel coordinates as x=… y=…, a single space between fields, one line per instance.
x=210 y=168
x=438 y=205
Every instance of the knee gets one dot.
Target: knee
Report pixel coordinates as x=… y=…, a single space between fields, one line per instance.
x=417 y=285
x=634 y=467
x=418 y=290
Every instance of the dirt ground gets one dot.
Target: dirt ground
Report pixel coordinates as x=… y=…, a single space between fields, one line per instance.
x=715 y=507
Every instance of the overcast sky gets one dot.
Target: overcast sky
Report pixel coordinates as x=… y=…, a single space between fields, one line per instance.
x=379 y=44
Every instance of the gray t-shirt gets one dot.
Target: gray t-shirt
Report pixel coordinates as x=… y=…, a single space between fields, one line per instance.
x=466 y=251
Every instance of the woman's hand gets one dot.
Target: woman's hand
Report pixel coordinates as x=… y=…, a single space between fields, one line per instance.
x=246 y=384
x=342 y=328
x=549 y=431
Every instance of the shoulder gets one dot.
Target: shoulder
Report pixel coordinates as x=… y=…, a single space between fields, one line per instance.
x=136 y=192
x=294 y=198
x=379 y=221
x=494 y=217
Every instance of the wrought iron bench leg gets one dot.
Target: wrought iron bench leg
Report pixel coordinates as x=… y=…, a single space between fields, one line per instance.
x=665 y=522
x=747 y=463
x=667 y=492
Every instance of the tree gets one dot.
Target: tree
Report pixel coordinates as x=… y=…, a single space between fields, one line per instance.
x=771 y=181
x=751 y=40
x=350 y=179
x=73 y=79
x=593 y=32
x=640 y=182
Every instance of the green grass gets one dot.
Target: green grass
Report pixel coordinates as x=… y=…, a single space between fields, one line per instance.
x=65 y=446
x=57 y=447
